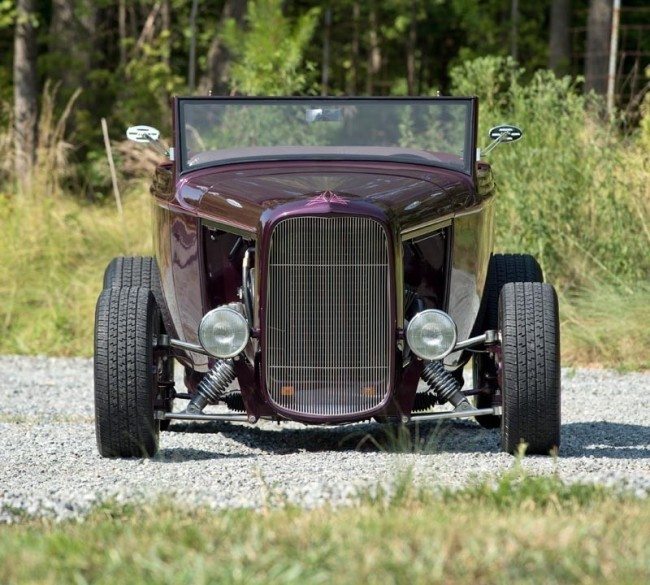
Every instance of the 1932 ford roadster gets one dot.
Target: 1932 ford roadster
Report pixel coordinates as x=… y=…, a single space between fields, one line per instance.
x=325 y=260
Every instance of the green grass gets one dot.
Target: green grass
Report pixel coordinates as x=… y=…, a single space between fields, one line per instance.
x=607 y=326
x=522 y=529
x=53 y=253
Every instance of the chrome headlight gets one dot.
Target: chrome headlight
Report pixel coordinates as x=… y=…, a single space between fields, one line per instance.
x=431 y=334
x=223 y=332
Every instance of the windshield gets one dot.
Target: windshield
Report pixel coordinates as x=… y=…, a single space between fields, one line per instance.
x=433 y=131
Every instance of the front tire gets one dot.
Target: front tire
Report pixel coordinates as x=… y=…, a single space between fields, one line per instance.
x=530 y=367
x=127 y=324
x=141 y=271
x=503 y=268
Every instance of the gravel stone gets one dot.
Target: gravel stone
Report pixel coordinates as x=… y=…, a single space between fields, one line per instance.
x=49 y=463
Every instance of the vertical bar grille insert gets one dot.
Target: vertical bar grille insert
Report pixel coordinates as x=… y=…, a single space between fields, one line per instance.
x=328 y=315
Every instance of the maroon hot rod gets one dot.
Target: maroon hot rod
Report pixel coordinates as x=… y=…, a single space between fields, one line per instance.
x=325 y=260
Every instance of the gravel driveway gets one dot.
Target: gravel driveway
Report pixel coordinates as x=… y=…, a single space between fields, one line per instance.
x=49 y=462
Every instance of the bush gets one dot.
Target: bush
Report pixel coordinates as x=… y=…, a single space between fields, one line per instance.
x=573 y=191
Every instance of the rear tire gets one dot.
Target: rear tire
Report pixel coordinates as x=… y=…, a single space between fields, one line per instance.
x=503 y=268
x=127 y=323
x=530 y=376
x=131 y=271
x=139 y=271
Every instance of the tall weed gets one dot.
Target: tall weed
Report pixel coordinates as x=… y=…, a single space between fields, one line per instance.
x=54 y=248
x=53 y=253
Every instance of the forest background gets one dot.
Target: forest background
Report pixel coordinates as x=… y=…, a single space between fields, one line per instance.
x=574 y=192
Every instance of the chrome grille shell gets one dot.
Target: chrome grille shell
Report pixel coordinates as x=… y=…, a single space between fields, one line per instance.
x=328 y=326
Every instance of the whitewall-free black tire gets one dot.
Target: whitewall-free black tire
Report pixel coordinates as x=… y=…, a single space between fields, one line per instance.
x=530 y=367
x=127 y=323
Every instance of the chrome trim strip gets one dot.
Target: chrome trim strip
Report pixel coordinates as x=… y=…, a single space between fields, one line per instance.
x=470 y=412
x=427 y=228
x=228 y=227
x=441 y=222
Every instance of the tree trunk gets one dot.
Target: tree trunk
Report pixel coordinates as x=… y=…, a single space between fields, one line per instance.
x=72 y=35
x=148 y=32
x=166 y=31
x=133 y=21
x=410 y=49
x=325 y=77
x=25 y=91
x=215 y=78
x=597 y=57
x=353 y=79
x=374 y=52
x=191 y=65
x=514 y=29
x=559 y=45
x=121 y=25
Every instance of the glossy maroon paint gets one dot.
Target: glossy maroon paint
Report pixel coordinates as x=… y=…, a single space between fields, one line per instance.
x=200 y=215
x=237 y=195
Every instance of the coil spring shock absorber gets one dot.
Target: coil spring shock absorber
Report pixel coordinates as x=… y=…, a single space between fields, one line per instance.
x=212 y=387
x=443 y=384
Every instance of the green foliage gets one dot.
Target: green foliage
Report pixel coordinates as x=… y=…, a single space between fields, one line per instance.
x=516 y=530
x=145 y=88
x=573 y=191
x=490 y=78
x=269 y=51
x=487 y=28
x=7 y=13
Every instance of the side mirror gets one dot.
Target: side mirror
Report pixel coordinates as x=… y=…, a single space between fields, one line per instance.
x=143 y=134
x=149 y=135
x=503 y=133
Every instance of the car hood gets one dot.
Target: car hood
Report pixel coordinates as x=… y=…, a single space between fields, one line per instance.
x=238 y=195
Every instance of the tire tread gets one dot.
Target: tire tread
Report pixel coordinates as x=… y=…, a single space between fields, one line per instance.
x=140 y=271
x=503 y=268
x=531 y=367
x=125 y=323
